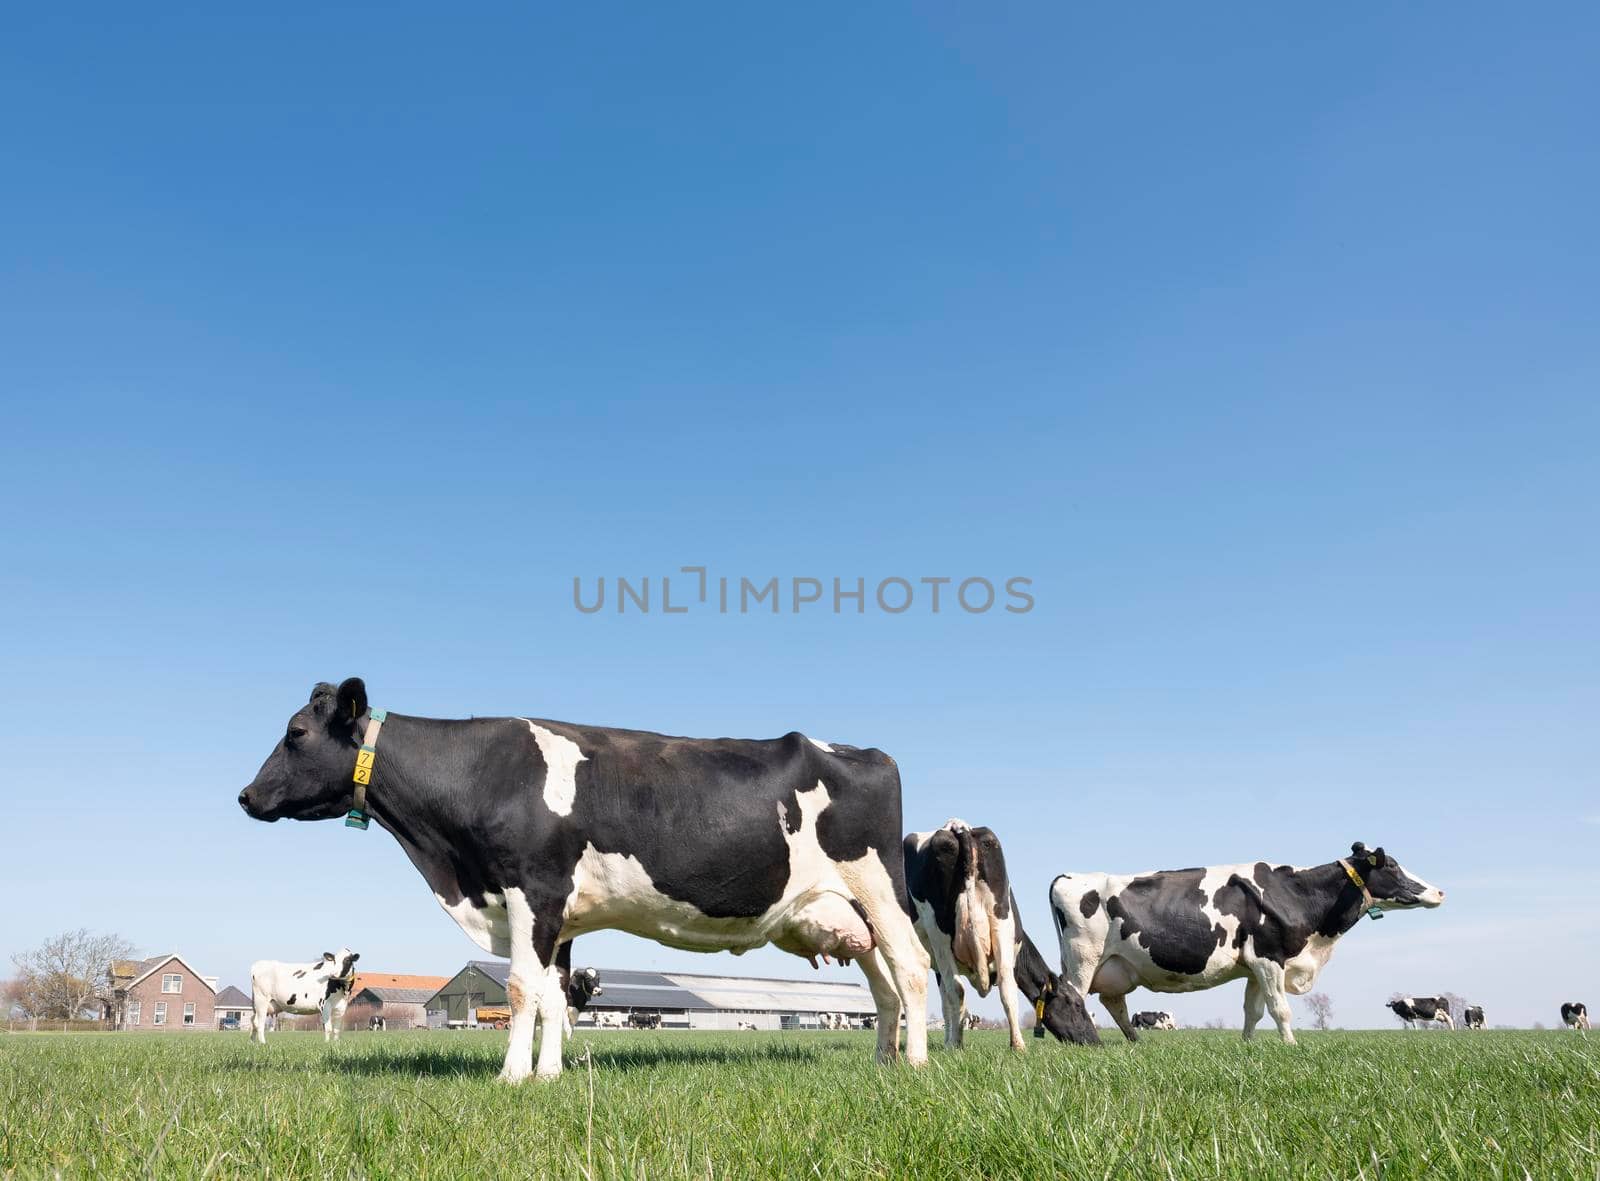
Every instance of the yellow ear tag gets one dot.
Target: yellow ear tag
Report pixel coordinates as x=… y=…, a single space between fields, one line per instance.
x=1038 y=1009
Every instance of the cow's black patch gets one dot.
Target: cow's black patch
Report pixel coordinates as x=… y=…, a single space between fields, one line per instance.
x=1089 y=903
x=299 y=972
x=1163 y=911
x=292 y=995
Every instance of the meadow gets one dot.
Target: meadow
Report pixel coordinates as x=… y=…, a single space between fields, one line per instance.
x=1189 y=1104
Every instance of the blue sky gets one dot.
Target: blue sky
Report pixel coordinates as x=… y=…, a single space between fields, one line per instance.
x=339 y=342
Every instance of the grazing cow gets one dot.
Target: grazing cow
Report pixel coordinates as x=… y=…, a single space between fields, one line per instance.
x=970 y=1021
x=377 y=1024
x=1417 y=1011
x=966 y=916
x=870 y=1021
x=644 y=1019
x=532 y=832
x=1189 y=929
x=322 y=987
x=1473 y=1017
x=1154 y=1019
x=609 y=1019
x=1574 y=1015
x=744 y=1025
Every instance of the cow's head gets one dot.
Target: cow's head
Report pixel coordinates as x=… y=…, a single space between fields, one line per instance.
x=341 y=964
x=308 y=774
x=1067 y=1018
x=1391 y=887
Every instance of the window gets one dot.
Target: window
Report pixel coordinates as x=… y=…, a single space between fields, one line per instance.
x=161 y=1014
x=172 y=982
x=188 y=1012
x=133 y=1013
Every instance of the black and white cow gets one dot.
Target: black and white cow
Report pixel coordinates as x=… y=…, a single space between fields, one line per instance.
x=645 y=1019
x=966 y=916
x=532 y=832
x=1183 y=930
x=377 y=1024
x=1418 y=1011
x=1472 y=1017
x=1154 y=1019
x=321 y=986
x=1574 y=1015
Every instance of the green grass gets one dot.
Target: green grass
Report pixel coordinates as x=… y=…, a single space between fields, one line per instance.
x=1189 y=1104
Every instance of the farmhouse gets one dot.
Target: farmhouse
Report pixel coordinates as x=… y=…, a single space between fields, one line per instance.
x=160 y=993
x=234 y=1010
x=684 y=1000
x=401 y=1000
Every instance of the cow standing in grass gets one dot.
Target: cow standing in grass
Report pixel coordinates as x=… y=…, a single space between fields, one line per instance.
x=1575 y=1016
x=532 y=832
x=321 y=987
x=1155 y=1019
x=966 y=916
x=1185 y=930
x=1472 y=1018
x=1418 y=1011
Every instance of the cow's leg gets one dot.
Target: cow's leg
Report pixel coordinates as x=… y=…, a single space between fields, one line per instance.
x=1255 y=1005
x=533 y=931
x=1270 y=976
x=869 y=882
x=261 y=1006
x=1005 y=944
x=1117 y=1006
x=887 y=1000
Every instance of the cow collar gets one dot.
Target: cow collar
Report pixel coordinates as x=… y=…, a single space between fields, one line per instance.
x=1374 y=912
x=366 y=759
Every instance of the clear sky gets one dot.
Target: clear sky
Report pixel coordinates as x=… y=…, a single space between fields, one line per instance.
x=339 y=341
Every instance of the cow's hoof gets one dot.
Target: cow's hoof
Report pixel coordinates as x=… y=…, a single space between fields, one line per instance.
x=916 y=1060
x=1020 y=1047
x=545 y=1076
x=511 y=1078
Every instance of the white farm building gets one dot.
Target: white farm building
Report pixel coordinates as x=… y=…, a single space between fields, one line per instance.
x=687 y=1000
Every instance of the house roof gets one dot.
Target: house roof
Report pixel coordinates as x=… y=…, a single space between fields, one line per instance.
x=232 y=998
x=624 y=989
x=383 y=982
x=145 y=967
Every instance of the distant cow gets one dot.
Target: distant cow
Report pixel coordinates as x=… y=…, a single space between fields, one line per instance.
x=580 y=985
x=644 y=1019
x=322 y=987
x=744 y=1025
x=1183 y=930
x=1417 y=1011
x=833 y=1021
x=970 y=1021
x=1473 y=1017
x=1574 y=1015
x=377 y=1024
x=609 y=1019
x=1158 y=1019
x=966 y=916
x=531 y=832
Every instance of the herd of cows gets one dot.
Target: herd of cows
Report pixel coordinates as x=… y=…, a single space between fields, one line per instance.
x=532 y=832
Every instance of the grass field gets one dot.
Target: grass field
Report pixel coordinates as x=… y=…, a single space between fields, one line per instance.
x=1188 y=1104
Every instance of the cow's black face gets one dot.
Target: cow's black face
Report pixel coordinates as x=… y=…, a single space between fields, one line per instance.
x=308 y=774
x=1391 y=887
x=1068 y=1019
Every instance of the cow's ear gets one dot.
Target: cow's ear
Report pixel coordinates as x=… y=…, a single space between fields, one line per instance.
x=327 y=955
x=354 y=956
x=1379 y=858
x=352 y=699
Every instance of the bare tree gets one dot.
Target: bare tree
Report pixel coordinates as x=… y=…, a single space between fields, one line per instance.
x=1458 y=1008
x=69 y=973
x=1320 y=1006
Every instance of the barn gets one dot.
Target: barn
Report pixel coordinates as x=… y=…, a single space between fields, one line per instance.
x=683 y=1000
x=400 y=999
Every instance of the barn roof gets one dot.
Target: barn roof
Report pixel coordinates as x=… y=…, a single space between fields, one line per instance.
x=398 y=987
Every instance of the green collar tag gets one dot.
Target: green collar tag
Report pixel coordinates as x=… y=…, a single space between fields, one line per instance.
x=1374 y=913
x=366 y=760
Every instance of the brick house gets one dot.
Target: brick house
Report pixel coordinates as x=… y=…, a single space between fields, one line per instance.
x=161 y=993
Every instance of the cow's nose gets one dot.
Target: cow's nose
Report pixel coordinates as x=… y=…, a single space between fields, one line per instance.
x=244 y=799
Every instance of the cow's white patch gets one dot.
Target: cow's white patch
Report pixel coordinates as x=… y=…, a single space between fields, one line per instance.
x=561 y=759
x=823 y=746
x=486 y=926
